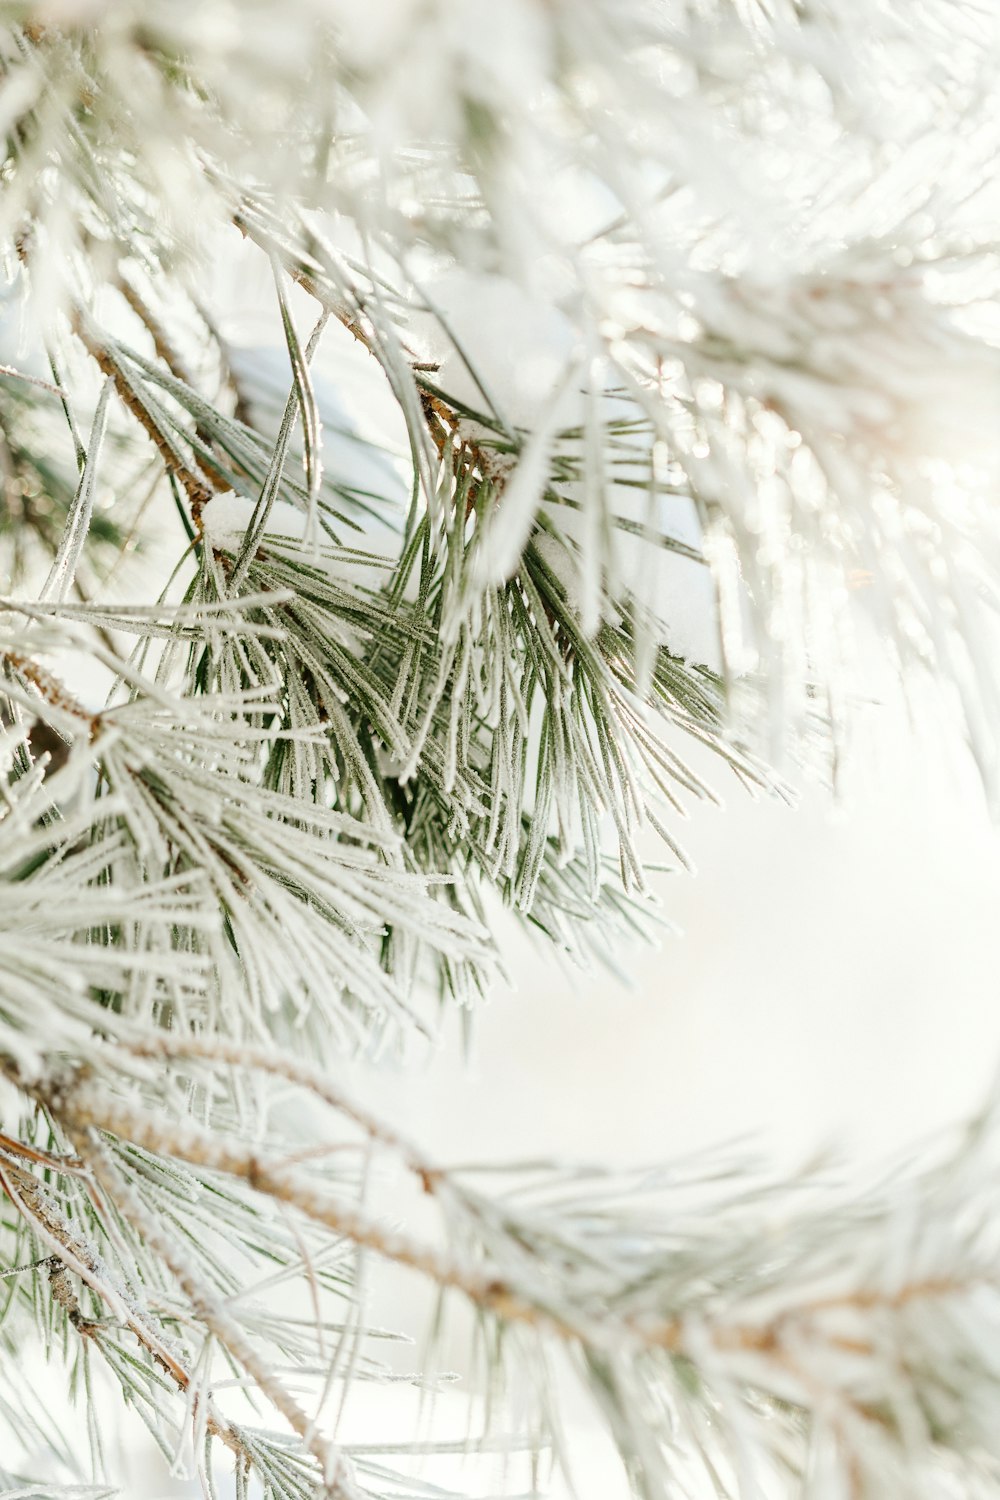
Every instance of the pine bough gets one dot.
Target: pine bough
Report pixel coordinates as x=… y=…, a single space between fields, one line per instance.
x=686 y=313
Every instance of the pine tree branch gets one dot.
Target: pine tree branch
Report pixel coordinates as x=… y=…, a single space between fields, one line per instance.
x=337 y=1476
x=50 y=689
x=247 y=1058
x=79 y=1107
x=320 y=768
x=175 y=363
x=73 y=1253
x=198 y=488
x=452 y=439
x=70 y=1164
x=32 y=1201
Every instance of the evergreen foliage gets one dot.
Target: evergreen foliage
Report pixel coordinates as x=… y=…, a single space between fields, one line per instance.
x=684 y=312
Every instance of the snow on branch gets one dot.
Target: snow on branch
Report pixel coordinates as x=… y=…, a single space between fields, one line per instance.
x=629 y=412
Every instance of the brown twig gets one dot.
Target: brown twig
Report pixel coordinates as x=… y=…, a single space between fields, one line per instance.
x=213 y=1315
x=72 y=1164
x=196 y=486
x=81 y=1106
x=170 y=356
x=165 y=350
x=72 y=1253
x=444 y=424
x=49 y=687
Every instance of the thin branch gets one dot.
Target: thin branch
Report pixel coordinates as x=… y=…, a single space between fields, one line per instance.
x=280 y=1064
x=49 y=687
x=198 y=488
x=212 y=1315
x=10 y=373
x=71 y=1164
x=72 y=1252
x=81 y=1107
x=168 y=353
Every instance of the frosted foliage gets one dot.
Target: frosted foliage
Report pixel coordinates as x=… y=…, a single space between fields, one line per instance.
x=440 y=441
x=354 y=464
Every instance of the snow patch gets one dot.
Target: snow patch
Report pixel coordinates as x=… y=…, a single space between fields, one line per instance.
x=227 y=515
x=516 y=343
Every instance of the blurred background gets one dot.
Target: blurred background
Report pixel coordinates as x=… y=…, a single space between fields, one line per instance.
x=832 y=981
